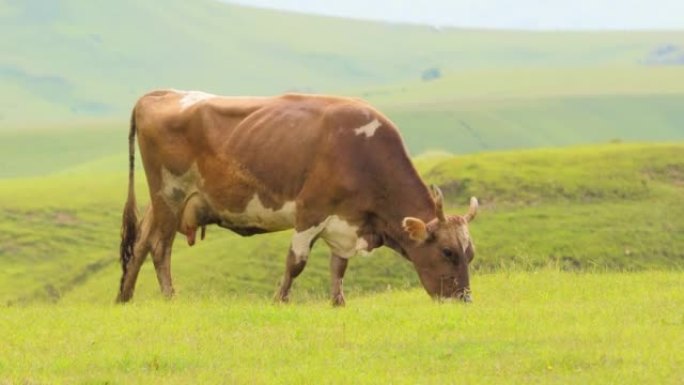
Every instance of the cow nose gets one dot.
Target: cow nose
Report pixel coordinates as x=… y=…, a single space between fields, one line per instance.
x=465 y=296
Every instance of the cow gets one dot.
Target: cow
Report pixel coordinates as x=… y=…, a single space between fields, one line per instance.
x=331 y=168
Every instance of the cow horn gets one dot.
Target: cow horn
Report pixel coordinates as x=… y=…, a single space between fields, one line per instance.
x=472 y=210
x=438 y=197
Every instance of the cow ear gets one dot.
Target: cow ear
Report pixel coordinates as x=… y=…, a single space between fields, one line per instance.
x=415 y=228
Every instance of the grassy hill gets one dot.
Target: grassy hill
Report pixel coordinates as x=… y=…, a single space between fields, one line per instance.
x=71 y=59
x=615 y=207
x=485 y=110
x=461 y=112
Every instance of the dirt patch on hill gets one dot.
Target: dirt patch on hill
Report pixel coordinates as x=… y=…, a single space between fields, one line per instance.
x=672 y=173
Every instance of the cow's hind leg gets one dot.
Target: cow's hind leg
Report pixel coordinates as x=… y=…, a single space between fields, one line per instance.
x=161 y=244
x=140 y=251
x=161 y=256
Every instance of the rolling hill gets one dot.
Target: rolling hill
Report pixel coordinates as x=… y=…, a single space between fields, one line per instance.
x=461 y=112
x=72 y=60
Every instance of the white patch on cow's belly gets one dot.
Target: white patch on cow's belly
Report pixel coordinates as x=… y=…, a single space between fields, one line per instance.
x=362 y=247
x=256 y=215
x=193 y=97
x=177 y=188
x=341 y=237
x=368 y=129
x=301 y=240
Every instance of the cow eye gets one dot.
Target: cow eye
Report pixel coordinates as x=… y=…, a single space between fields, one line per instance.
x=448 y=253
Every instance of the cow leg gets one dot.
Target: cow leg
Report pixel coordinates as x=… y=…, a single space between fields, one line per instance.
x=161 y=241
x=129 y=279
x=140 y=251
x=161 y=256
x=338 y=266
x=294 y=266
x=308 y=227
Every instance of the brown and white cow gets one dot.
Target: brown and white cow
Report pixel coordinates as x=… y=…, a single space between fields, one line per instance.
x=331 y=168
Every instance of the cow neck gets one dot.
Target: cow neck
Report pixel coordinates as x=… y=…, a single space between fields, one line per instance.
x=411 y=198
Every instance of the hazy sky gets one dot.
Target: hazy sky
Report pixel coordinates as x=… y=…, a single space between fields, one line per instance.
x=518 y=14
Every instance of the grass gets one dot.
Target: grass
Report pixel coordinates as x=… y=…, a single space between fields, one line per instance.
x=543 y=327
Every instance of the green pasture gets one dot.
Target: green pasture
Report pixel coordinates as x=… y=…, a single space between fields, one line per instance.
x=546 y=326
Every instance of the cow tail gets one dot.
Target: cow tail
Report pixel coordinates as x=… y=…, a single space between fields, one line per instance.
x=129 y=231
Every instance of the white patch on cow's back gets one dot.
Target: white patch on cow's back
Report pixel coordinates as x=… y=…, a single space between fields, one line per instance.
x=257 y=215
x=368 y=129
x=176 y=189
x=193 y=97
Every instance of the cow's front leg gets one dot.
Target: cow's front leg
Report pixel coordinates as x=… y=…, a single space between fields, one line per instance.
x=338 y=266
x=293 y=267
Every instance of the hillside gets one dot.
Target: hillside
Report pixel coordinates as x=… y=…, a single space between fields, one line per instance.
x=615 y=207
x=71 y=60
x=462 y=112
x=495 y=109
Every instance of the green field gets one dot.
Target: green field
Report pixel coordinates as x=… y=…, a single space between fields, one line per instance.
x=572 y=141
x=543 y=327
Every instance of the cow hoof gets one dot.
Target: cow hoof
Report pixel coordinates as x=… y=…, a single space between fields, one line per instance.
x=123 y=298
x=338 y=300
x=280 y=298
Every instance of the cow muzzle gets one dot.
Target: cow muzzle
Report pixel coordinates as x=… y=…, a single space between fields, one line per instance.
x=465 y=295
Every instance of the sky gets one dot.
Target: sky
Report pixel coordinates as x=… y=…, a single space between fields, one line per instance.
x=500 y=14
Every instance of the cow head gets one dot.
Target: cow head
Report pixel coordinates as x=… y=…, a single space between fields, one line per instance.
x=442 y=249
